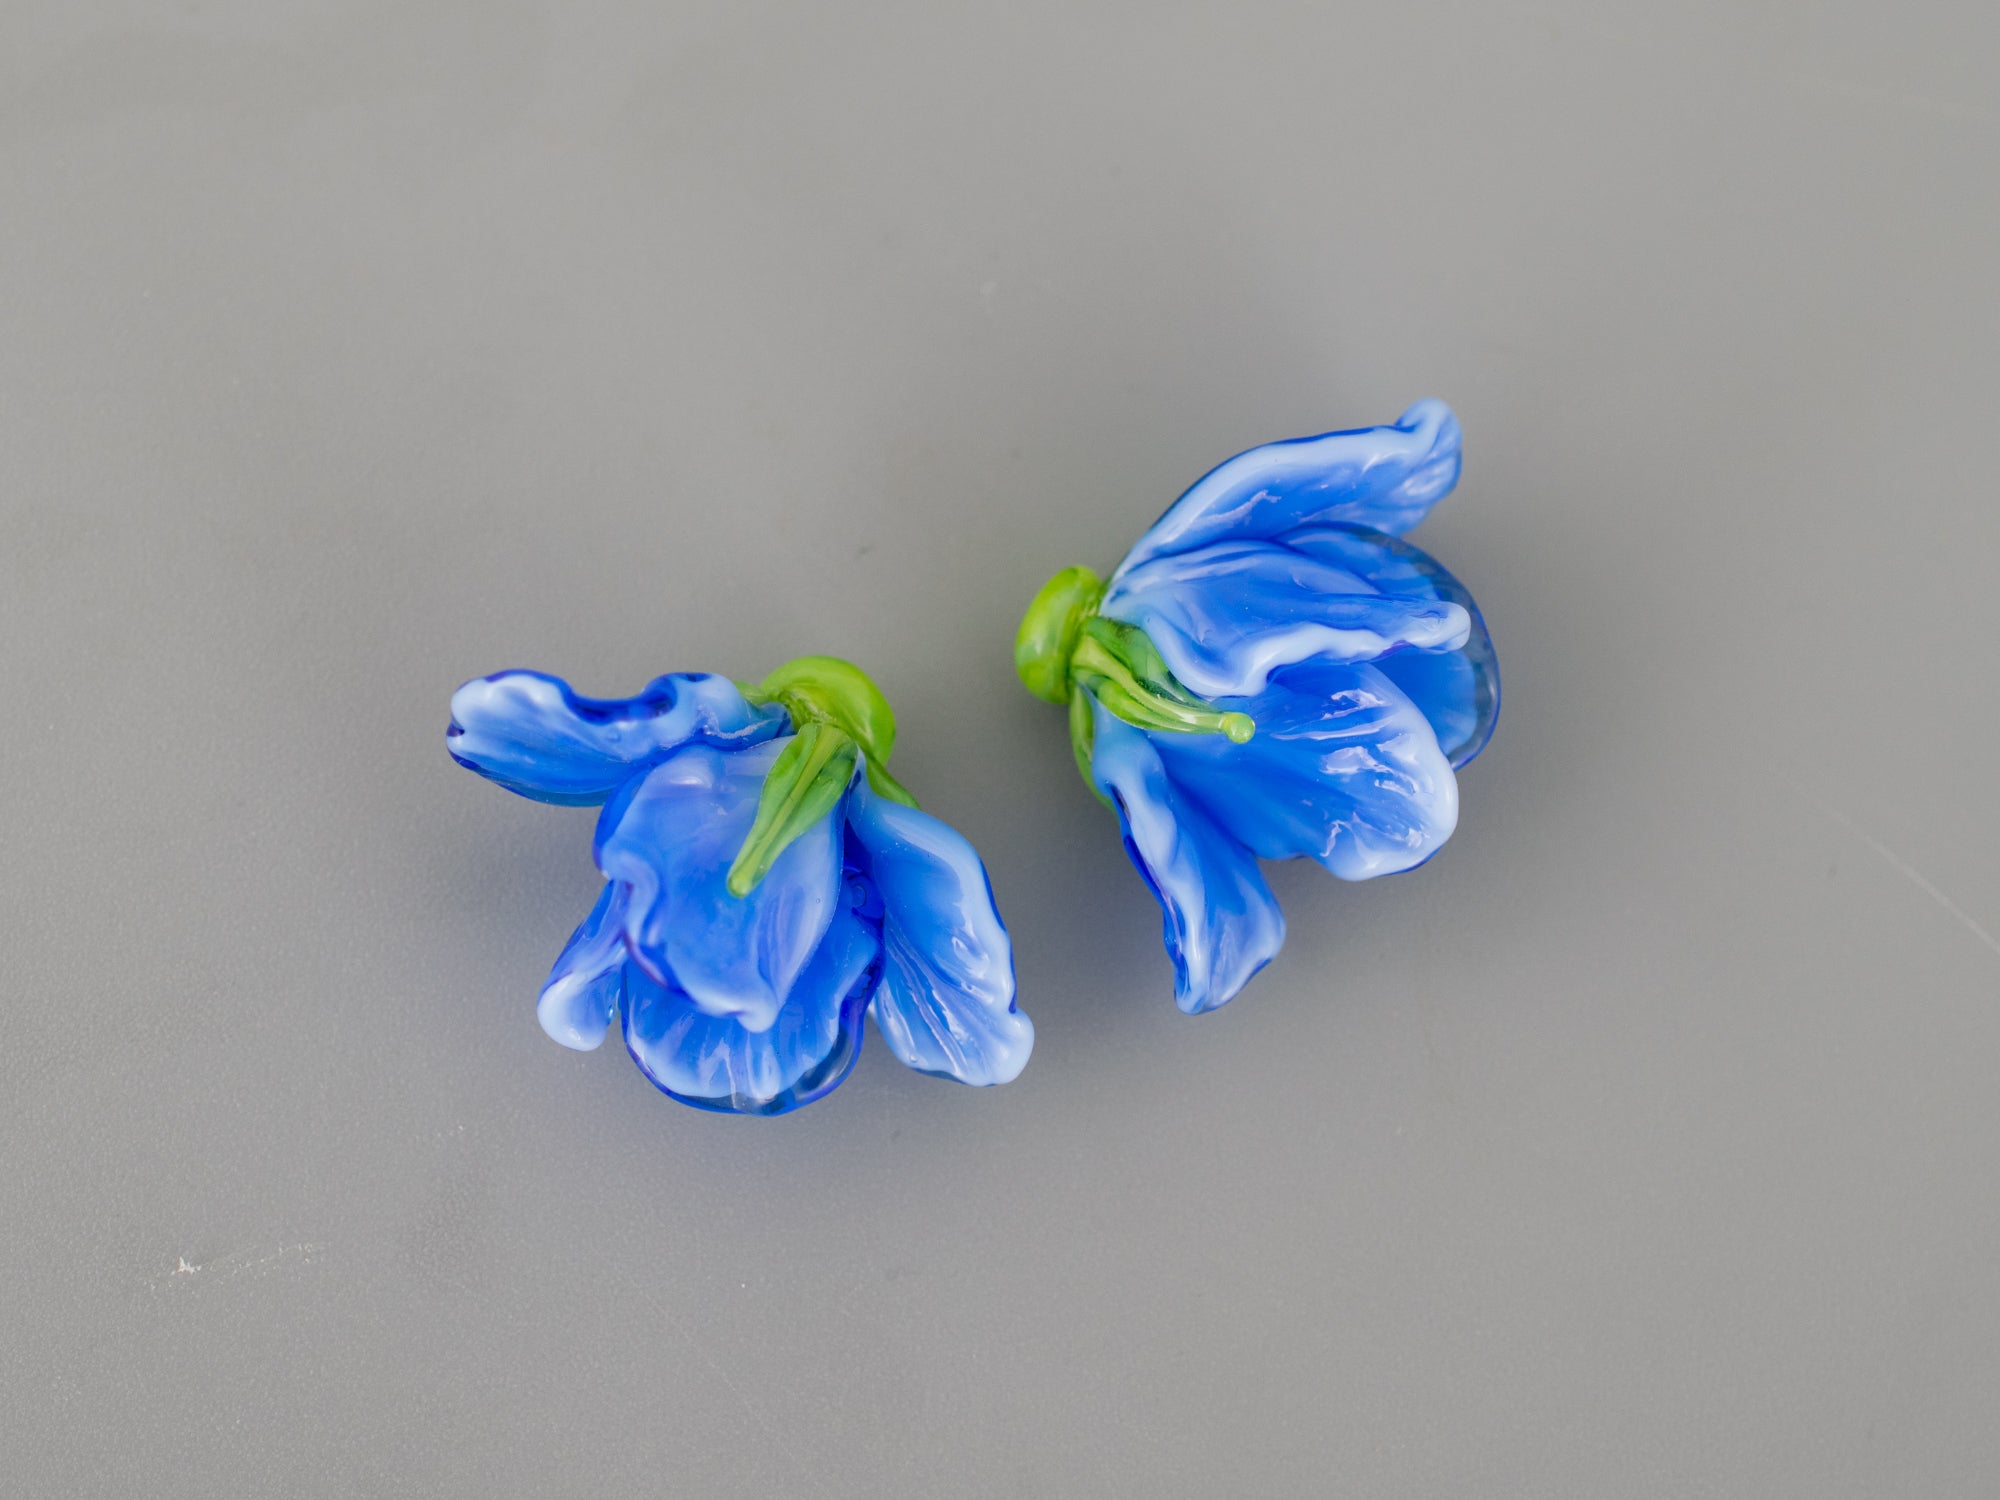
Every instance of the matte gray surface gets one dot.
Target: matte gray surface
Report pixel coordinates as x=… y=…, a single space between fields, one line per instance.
x=1644 y=1143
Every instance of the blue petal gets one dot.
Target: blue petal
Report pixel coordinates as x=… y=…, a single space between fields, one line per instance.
x=1459 y=691
x=1221 y=922
x=716 y=1062
x=1343 y=769
x=582 y=990
x=1227 y=615
x=669 y=837
x=1384 y=477
x=946 y=1004
x=530 y=733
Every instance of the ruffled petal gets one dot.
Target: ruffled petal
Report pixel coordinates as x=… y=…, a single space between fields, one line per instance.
x=583 y=988
x=1458 y=690
x=532 y=734
x=1227 y=615
x=1384 y=477
x=946 y=1002
x=1221 y=922
x=716 y=1062
x=1343 y=769
x=669 y=837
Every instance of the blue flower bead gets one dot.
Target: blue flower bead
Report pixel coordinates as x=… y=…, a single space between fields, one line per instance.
x=766 y=881
x=1273 y=673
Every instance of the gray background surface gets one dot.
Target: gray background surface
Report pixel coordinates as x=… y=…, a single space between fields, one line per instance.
x=1644 y=1143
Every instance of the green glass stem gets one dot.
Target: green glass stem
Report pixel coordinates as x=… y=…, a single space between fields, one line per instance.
x=838 y=716
x=1064 y=644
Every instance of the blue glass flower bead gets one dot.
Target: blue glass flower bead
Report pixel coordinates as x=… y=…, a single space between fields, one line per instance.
x=766 y=881
x=1273 y=673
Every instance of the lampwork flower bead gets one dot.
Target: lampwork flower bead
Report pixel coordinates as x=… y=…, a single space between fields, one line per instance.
x=1273 y=673
x=767 y=881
